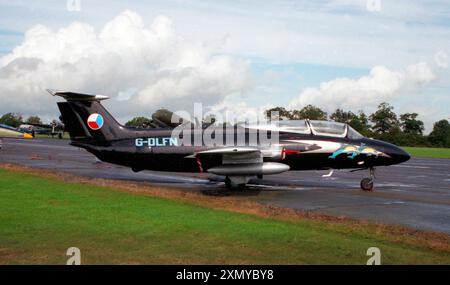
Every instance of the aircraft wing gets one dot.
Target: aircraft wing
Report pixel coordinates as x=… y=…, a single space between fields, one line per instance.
x=241 y=161
x=234 y=155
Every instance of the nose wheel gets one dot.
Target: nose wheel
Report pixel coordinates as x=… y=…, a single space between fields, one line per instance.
x=367 y=182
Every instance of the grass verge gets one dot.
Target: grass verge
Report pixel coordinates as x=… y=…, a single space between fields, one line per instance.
x=42 y=214
x=432 y=152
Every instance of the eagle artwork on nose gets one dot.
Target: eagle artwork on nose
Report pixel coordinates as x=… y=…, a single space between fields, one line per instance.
x=352 y=151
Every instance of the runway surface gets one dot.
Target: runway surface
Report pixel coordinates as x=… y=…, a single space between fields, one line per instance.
x=415 y=194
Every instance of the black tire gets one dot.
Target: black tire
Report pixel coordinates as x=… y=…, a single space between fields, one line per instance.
x=228 y=182
x=233 y=186
x=367 y=184
x=241 y=187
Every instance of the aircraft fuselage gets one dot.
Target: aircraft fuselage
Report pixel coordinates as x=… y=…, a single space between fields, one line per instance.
x=157 y=150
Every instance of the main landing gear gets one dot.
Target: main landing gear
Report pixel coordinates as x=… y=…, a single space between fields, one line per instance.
x=236 y=182
x=367 y=182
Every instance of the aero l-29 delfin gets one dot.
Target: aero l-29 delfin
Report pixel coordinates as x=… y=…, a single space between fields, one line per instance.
x=301 y=145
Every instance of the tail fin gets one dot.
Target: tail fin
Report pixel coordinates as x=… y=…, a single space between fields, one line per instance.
x=86 y=119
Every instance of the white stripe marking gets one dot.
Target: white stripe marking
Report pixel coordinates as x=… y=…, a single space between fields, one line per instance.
x=411 y=166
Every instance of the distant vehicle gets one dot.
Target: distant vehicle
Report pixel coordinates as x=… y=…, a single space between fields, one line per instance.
x=302 y=145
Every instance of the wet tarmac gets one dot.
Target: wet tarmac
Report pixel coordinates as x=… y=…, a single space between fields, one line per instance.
x=414 y=194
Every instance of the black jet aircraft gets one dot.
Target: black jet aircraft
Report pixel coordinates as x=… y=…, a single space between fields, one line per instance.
x=301 y=145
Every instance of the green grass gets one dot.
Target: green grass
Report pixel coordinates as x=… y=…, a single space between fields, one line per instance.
x=428 y=152
x=41 y=217
x=44 y=136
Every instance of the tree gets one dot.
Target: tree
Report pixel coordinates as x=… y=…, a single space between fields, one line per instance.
x=359 y=121
x=138 y=122
x=385 y=120
x=440 y=135
x=309 y=112
x=11 y=119
x=344 y=117
x=210 y=119
x=33 y=120
x=56 y=122
x=410 y=124
x=277 y=113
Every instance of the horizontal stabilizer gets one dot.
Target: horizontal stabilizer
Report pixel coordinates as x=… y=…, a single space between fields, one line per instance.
x=72 y=96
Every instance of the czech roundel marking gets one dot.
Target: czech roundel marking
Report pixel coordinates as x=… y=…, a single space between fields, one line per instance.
x=95 y=121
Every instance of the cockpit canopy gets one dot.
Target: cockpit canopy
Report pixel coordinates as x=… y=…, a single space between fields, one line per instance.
x=320 y=128
x=353 y=134
x=328 y=128
x=296 y=126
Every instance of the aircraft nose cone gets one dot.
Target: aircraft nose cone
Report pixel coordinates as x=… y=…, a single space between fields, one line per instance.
x=399 y=155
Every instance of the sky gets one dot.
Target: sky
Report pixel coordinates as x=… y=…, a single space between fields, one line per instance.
x=234 y=56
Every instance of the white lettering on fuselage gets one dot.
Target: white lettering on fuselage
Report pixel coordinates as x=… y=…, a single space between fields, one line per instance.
x=151 y=142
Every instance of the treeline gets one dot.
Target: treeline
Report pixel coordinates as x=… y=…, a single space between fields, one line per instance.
x=15 y=120
x=384 y=124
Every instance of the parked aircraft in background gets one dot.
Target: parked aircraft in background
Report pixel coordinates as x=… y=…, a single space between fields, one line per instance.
x=302 y=145
x=53 y=129
x=10 y=132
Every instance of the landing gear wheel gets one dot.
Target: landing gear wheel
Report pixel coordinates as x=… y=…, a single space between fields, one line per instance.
x=241 y=187
x=228 y=182
x=367 y=184
x=233 y=184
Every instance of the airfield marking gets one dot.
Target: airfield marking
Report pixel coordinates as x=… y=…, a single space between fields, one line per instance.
x=412 y=166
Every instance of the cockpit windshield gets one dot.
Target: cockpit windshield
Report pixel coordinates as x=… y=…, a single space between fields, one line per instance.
x=325 y=128
x=353 y=134
x=328 y=128
x=298 y=126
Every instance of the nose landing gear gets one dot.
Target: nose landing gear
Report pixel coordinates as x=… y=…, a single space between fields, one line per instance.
x=367 y=182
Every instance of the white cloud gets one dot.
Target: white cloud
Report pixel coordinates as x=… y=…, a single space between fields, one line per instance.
x=141 y=68
x=334 y=32
x=350 y=93
x=420 y=73
x=441 y=59
x=230 y=111
x=381 y=84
